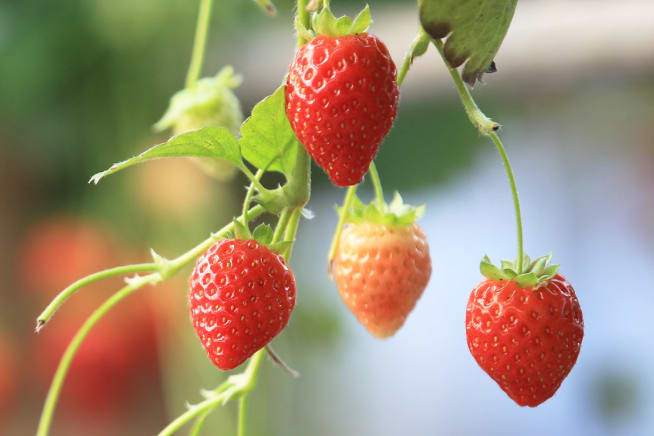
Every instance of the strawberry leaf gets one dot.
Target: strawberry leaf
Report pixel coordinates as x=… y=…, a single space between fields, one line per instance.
x=241 y=231
x=526 y=280
x=267 y=141
x=216 y=142
x=490 y=271
x=476 y=29
x=325 y=23
x=362 y=21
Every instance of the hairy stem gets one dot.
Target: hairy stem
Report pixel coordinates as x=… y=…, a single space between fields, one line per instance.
x=199 y=43
x=49 y=311
x=488 y=127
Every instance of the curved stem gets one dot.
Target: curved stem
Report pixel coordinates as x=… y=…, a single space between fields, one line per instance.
x=291 y=230
x=347 y=204
x=240 y=383
x=199 y=43
x=198 y=424
x=64 y=363
x=254 y=179
x=45 y=316
x=421 y=41
x=516 y=199
x=376 y=182
x=488 y=127
x=304 y=17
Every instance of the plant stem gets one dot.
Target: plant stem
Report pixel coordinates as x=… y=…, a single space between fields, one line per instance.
x=72 y=289
x=242 y=409
x=422 y=38
x=254 y=179
x=484 y=124
x=347 y=204
x=304 y=16
x=199 y=43
x=516 y=200
x=248 y=198
x=291 y=230
x=241 y=383
x=379 y=193
x=281 y=225
x=66 y=359
x=488 y=127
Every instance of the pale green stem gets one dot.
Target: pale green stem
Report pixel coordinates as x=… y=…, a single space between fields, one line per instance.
x=376 y=183
x=66 y=359
x=488 y=127
x=347 y=204
x=199 y=43
x=422 y=37
x=291 y=230
x=242 y=413
x=281 y=225
x=252 y=178
x=72 y=289
x=304 y=17
x=242 y=383
x=248 y=197
x=198 y=424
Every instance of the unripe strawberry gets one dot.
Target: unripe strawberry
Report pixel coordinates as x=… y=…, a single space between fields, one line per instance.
x=241 y=296
x=211 y=102
x=382 y=265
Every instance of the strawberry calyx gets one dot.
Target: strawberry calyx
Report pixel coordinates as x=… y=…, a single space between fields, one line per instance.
x=533 y=272
x=208 y=96
x=325 y=23
x=395 y=214
x=263 y=234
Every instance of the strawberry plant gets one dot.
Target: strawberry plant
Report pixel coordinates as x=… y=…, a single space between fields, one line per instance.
x=336 y=104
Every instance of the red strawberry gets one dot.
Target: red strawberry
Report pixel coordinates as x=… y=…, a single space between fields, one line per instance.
x=526 y=338
x=241 y=297
x=341 y=101
x=382 y=266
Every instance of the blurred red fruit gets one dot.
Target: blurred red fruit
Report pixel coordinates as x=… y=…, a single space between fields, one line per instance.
x=7 y=375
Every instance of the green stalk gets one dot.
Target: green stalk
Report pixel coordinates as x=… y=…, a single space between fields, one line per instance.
x=199 y=43
x=376 y=182
x=347 y=204
x=488 y=127
x=67 y=358
x=242 y=410
x=304 y=16
x=85 y=281
x=248 y=197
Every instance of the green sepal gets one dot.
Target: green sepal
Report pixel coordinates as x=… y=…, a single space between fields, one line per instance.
x=241 y=231
x=325 y=23
x=281 y=247
x=395 y=214
x=263 y=234
x=532 y=274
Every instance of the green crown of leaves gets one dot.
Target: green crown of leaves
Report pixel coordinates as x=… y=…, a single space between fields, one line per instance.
x=533 y=272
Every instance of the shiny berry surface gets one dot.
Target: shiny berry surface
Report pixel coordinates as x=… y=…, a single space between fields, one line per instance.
x=241 y=296
x=526 y=339
x=341 y=101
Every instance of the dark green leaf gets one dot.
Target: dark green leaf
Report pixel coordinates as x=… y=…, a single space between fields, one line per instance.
x=476 y=29
x=268 y=142
x=213 y=141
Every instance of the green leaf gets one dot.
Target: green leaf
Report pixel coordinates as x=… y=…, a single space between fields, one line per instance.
x=538 y=265
x=362 y=21
x=490 y=271
x=241 y=231
x=325 y=23
x=526 y=280
x=505 y=264
x=476 y=29
x=281 y=246
x=396 y=214
x=216 y=142
x=268 y=142
x=263 y=234
x=549 y=272
x=509 y=272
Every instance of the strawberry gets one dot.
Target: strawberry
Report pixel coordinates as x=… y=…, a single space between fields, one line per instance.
x=241 y=297
x=525 y=330
x=341 y=98
x=382 y=265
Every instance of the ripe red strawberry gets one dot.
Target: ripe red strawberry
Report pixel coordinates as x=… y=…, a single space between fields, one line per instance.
x=381 y=267
x=341 y=101
x=241 y=297
x=526 y=338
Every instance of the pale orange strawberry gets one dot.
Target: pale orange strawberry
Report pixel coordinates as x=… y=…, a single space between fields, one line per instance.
x=382 y=265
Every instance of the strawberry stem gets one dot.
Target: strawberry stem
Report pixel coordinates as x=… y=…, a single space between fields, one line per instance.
x=376 y=183
x=347 y=204
x=488 y=127
x=248 y=197
x=304 y=18
x=199 y=43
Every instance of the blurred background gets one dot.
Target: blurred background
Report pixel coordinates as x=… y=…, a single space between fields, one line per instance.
x=81 y=84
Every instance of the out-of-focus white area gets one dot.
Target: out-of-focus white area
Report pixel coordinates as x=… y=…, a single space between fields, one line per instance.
x=549 y=43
